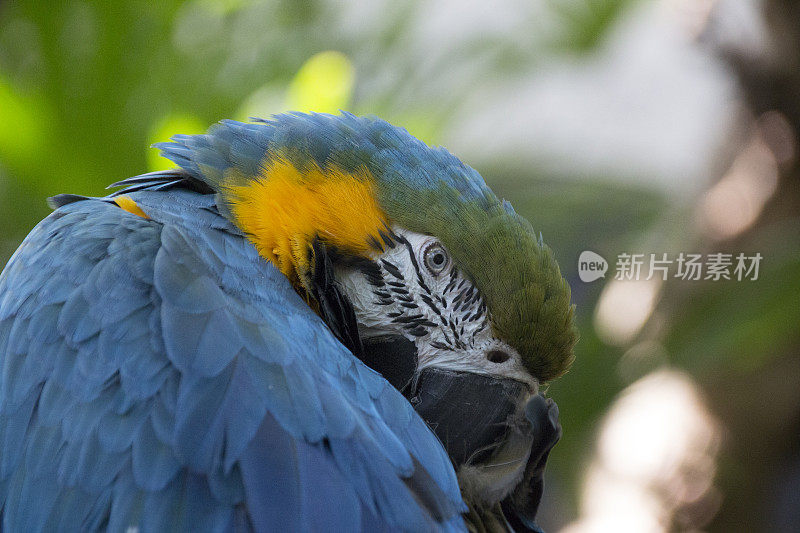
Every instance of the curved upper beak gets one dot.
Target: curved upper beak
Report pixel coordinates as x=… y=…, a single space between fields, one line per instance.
x=472 y=414
x=497 y=433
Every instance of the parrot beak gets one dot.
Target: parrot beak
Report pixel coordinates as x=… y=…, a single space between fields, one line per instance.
x=472 y=414
x=497 y=433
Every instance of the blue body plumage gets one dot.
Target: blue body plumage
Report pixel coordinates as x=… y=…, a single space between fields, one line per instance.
x=157 y=373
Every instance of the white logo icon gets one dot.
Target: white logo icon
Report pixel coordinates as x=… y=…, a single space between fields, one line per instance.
x=591 y=266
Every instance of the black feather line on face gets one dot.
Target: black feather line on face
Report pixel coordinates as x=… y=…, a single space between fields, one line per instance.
x=334 y=306
x=393 y=356
x=390 y=287
x=432 y=305
x=392 y=269
x=375 y=244
x=452 y=282
x=413 y=257
x=387 y=238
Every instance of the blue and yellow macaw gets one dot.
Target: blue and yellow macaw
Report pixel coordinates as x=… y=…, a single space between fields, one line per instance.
x=313 y=323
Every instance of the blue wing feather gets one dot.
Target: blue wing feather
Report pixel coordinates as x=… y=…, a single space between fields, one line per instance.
x=158 y=373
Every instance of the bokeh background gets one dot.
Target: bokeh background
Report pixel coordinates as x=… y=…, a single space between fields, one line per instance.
x=613 y=125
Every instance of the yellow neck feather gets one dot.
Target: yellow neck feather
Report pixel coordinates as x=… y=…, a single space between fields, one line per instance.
x=284 y=208
x=129 y=205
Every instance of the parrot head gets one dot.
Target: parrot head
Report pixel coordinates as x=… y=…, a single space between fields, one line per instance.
x=414 y=264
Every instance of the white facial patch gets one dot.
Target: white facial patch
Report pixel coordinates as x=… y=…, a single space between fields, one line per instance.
x=414 y=289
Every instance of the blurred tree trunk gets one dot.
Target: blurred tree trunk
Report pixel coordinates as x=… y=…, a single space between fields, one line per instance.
x=760 y=464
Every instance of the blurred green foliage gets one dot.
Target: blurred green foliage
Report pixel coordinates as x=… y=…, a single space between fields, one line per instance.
x=585 y=22
x=86 y=86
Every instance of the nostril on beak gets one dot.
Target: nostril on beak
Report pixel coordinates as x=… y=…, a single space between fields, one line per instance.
x=497 y=356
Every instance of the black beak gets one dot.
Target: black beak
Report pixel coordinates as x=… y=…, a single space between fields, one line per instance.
x=470 y=413
x=496 y=427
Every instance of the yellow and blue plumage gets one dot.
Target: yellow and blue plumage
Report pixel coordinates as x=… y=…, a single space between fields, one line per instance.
x=162 y=367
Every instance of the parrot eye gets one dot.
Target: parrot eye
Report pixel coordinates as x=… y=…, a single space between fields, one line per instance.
x=435 y=258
